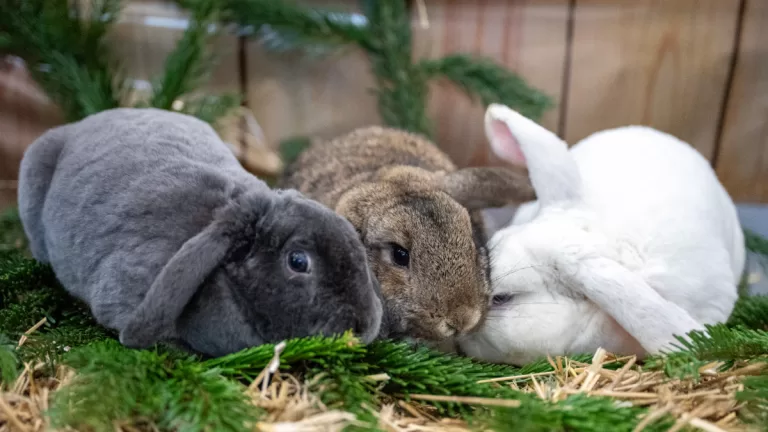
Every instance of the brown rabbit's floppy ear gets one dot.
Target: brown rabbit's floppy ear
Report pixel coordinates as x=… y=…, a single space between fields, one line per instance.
x=485 y=187
x=354 y=205
x=174 y=287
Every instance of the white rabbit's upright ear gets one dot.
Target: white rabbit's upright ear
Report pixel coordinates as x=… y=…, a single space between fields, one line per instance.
x=652 y=320
x=154 y=319
x=520 y=141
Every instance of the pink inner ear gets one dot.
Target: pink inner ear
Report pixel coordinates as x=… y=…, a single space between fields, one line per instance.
x=505 y=145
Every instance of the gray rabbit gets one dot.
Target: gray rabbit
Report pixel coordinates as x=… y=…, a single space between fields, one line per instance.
x=147 y=216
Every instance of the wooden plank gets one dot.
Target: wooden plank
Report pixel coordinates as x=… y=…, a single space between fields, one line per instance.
x=292 y=94
x=742 y=162
x=528 y=37
x=654 y=62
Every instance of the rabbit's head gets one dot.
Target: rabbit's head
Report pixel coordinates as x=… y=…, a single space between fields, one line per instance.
x=560 y=284
x=426 y=244
x=271 y=266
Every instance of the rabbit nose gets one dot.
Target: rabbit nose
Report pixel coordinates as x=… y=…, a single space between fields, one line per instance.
x=466 y=321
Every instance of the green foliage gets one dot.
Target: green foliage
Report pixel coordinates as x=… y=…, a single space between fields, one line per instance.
x=298 y=23
x=12 y=237
x=65 y=50
x=291 y=148
x=750 y=312
x=171 y=391
x=488 y=81
x=756 y=243
x=385 y=35
x=755 y=396
x=402 y=89
x=67 y=53
x=341 y=370
x=211 y=108
x=8 y=360
x=576 y=413
x=188 y=66
x=717 y=343
x=29 y=292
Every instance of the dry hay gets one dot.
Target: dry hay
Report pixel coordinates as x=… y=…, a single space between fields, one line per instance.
x=292 y=405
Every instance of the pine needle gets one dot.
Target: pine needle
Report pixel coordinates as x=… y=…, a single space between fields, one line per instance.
x=490 y=82
x=66 y=51
x=190 y=63
x=175 y=392
x=211 y=109
x=298 y=24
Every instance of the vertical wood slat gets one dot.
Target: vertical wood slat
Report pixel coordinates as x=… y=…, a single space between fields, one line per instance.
x=742 y=163
x=529 y=37
x=292 y=94
x=653 y=62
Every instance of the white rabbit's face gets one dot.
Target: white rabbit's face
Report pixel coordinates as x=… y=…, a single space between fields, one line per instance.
x=533 y=313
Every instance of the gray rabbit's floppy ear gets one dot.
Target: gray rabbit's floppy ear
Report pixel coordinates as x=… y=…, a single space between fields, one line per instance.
x=175 y=286
x=651 y=319
x=484 y=187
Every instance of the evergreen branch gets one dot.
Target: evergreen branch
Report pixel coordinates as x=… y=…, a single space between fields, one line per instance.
x=316 y=350
x=212 y=108
x=756 y=243
x=191 y=61
x=30 y=292
x=94 y=28
x=750 y=312
x=301 y=23
x=171 y=391
x=290 y=148
x=78 y=90
x=8 y=361
x=66 y=54
x=576 y=413
x=402 y=89
x=489 y=81
x=718 y=343
x=755 y=395
x=12 y=237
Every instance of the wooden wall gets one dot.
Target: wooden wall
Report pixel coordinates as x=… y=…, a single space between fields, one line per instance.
x=695 y=68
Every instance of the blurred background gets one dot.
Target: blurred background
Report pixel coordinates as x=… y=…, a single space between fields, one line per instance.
x=697 y=69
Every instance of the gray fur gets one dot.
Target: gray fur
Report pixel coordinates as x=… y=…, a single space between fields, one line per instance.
x=148 y=217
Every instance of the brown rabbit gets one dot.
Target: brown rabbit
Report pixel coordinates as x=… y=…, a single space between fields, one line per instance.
x=419 y=218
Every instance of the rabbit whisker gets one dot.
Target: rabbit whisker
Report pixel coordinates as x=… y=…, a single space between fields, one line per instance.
x=497 y=278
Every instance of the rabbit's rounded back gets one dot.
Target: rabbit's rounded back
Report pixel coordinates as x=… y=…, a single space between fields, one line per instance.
x=419 y=219
x=146 y=216
x=632 y=241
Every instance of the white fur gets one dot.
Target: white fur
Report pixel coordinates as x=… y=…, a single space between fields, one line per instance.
x=632 y=240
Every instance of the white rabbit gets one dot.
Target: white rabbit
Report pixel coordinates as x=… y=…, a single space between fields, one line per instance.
x=632 y=240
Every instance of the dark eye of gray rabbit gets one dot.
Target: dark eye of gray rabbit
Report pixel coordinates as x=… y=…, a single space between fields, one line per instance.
x=501 y=299
x=400 y=255
x=298 y=261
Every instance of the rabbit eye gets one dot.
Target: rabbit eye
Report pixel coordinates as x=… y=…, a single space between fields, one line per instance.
x=501 y=299
x=298 y=261
x=400 y=255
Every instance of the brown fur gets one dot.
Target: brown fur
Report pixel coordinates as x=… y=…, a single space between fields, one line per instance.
x=397 y=187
